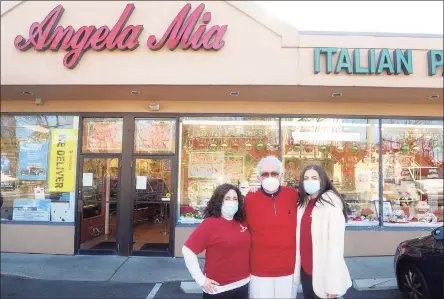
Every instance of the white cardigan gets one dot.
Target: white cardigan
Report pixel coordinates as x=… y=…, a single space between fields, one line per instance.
x=330 y=273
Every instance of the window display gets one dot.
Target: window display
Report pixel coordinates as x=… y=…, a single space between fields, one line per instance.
x=102 y=135
x=155 y=136
x=38 y=167
x=348 y=151
x=220 y=150
x=413 y=171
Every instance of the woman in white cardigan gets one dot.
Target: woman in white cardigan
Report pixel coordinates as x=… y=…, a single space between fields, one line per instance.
x=320 y=265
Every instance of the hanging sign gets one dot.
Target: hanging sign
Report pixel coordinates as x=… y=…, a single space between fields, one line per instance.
x=62 y=164
x=182 y=33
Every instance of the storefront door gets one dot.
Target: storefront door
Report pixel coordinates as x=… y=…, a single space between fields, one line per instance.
x=99 y=189
x=153 y=198
x=126 y=194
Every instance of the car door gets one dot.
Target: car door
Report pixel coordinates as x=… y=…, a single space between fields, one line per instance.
x=432 y=265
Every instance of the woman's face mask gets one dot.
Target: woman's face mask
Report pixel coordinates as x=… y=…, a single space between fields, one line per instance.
x=230 y=205
x=312 y=183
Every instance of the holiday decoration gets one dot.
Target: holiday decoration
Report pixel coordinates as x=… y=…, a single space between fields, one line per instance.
x=297 y=147
x=323 y=148
x=354 y=149
x=260 y=146
x=405 y=148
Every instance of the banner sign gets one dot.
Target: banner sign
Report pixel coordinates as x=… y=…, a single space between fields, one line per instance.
x=31 y=210
x=62 y=163
x=33 y=159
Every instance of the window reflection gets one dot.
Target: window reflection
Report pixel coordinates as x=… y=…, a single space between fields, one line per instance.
x=413 y=171
x=347 y=149
x=220 y=150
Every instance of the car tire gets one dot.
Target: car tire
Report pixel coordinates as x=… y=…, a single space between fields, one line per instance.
x=413 y=283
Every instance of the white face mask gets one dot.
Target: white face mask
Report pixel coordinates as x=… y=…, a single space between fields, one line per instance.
x=270 y=184
x=312 y=186
x=229 y=208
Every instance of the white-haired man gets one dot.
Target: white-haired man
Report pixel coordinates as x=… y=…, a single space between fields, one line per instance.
x=271 y=216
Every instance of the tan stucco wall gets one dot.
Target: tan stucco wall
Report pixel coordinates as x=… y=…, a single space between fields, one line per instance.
x=259 y=50
x=380 y=109
x=357 y=243
x=37 y=239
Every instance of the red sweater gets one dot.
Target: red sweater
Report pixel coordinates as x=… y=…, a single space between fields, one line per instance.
x=272 y=223
x=306 y=244
x=227 y=245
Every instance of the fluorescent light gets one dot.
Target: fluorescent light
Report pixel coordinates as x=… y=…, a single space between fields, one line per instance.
x=229 y=122
x=321 y=124
x=412 y=126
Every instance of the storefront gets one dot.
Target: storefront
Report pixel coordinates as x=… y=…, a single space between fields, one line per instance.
x=118 y=121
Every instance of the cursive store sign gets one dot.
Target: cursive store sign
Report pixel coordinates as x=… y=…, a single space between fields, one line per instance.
x=182 y=32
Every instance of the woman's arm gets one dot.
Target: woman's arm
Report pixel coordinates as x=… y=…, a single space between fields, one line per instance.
x=335 y=250
x=192 y=263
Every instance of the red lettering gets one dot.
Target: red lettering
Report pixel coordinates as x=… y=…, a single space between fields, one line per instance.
x=181 y=29
x=181 y=32
x=45 y=35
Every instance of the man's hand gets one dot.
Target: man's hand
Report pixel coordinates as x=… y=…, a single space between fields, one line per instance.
x=210 y=286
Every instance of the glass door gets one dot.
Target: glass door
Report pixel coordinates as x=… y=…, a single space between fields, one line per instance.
x=152 y=198
x=99 y=189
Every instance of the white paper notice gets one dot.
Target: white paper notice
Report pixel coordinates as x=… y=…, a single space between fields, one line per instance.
x=39 y=193
x=141 y=182
x=87 y=179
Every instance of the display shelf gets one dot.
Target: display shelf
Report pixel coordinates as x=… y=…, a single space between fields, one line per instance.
x=362 y=223
x=413 y=224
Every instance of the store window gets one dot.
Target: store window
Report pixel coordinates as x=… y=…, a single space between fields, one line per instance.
x=38 y=167
x=413 y=172
x=347 y=149
x=155 y=136
x=102 y=135
x=218 y=150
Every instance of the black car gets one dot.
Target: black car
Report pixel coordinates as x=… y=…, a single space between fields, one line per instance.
x=419 y=266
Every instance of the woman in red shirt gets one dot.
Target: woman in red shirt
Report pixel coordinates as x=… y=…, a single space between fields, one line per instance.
x=226 y=242
x=320 y=265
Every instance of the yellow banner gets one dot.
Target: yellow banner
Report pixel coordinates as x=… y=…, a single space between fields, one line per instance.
x=63 y=160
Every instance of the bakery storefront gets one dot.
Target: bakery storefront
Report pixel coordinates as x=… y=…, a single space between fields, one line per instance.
x=119 y=120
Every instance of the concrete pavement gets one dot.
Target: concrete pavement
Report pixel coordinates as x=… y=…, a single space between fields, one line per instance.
x=155 y=269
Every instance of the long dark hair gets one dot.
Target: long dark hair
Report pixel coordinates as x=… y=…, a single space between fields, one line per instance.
x=214 y=206
x=326 y=185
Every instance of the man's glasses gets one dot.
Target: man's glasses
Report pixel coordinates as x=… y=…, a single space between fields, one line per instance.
x=273 y=174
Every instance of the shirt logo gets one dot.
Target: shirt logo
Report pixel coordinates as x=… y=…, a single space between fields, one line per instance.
x=243 y=228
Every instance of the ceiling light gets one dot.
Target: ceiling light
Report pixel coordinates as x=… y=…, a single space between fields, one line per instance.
x=234 y=93
x=27 y=93
x=135 y=93
x=433 y=97
x=336 y=94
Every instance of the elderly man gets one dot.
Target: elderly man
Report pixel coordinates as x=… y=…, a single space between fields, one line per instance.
x=271 y=216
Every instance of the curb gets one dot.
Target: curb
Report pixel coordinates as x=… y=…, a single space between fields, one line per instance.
x=373 y=284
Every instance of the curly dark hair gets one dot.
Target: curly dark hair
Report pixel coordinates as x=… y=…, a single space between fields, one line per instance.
x=214 y=206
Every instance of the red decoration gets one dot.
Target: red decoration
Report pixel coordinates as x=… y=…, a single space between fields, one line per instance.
x=47 y=35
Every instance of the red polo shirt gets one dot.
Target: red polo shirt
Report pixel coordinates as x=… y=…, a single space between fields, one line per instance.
x=305 y=239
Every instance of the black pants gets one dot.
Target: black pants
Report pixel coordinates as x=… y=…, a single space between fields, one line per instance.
x=307 y=285
x=239 y=293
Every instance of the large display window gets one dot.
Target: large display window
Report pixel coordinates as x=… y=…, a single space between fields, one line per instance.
x=38 y=167
x=216 y=150
x=413 y=172
x=347 y=149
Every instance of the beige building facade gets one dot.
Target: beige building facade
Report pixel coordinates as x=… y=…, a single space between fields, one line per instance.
x=147 y=104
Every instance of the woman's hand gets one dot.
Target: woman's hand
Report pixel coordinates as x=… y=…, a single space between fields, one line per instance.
x=331 y=296
x=209 y=286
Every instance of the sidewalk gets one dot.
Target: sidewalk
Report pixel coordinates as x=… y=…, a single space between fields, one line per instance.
x=363 y=270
